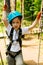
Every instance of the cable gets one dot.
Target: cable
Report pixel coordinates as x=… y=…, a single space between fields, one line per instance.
x=41 y=27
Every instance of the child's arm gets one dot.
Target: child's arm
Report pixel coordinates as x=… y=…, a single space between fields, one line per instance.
x=4 y=16
x=35 y=22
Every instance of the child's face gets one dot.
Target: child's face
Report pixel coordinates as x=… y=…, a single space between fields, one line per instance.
x=16 y=23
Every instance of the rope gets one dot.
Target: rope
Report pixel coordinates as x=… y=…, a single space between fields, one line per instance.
x=39 y=49
x=41 y=27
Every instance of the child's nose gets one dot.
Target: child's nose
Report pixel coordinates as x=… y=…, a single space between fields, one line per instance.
x=15 y=24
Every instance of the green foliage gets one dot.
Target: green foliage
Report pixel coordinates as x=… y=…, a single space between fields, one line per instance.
x=26 y=23
x=31 y=7
x=18 y=5
x=2 y=28
x=1 y=5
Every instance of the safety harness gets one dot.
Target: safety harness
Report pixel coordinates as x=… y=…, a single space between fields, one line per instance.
x=19 y=40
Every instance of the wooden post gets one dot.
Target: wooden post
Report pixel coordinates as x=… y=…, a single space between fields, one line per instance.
x=13 y=5
x=22 y=8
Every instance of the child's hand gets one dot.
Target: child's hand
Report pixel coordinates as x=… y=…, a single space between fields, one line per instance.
x=5 y=7
x=39 y=15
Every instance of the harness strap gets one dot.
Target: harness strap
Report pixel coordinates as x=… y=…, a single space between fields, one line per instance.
x=14 y=54
x=19 y=40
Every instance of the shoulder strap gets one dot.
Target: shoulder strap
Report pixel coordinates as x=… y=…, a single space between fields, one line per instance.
x=20 y=36
x=20 y=32
x=10 y=37
x=11 y=34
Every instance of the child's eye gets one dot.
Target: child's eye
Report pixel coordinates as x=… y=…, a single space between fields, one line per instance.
x=17 y=22
x=13 y=22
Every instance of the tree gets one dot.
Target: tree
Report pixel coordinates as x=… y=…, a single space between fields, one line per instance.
x=13 y=4
x=31 y=7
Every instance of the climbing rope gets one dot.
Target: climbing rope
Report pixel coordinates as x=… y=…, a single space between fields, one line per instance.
x=41 y=27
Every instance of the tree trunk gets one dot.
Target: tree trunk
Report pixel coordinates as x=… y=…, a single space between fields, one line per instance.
x=13 y=5
x=22 y=8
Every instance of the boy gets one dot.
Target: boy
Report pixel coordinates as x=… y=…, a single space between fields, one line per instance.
x=13 y=23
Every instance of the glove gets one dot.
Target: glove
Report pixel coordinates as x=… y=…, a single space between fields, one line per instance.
x=5 y=7
x=39 y=15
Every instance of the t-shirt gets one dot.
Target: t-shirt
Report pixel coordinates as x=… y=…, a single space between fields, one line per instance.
x=15 y=45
